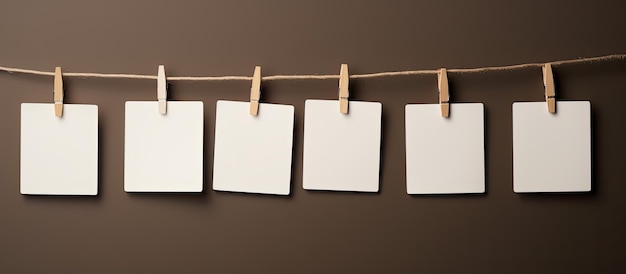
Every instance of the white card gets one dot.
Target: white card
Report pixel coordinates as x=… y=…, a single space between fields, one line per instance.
x=341 y=151
x=59 y=155
x=164 y=153
x=552 y=152
x=253 y=153
x=445 y=155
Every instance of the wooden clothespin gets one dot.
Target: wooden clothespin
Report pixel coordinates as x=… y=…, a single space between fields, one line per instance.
x=548 y=83
x=162 y=90
x=344 y=80
x=444 y=95
x=58 y=92
x=255 y=91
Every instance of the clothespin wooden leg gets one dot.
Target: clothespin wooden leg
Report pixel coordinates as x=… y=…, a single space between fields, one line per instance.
x=255 y=91
x=344 y=93
x=548 y=82
x=58 y=92
x=444 y=95
x=162 y=90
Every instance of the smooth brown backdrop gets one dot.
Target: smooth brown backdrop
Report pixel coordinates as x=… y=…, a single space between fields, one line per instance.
x=316 y=231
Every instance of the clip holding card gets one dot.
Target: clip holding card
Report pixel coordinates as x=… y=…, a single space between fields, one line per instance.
x=162 y=90
x=444 y=95
x=548 y=83
x=344 y=80
x=58 y=92
x=255 y=91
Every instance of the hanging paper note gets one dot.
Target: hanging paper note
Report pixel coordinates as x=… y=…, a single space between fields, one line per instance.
x=342 y=151
x=253 y=153
x=59 y=155
x=164 y=152
x=552 y=152
x=445 y=155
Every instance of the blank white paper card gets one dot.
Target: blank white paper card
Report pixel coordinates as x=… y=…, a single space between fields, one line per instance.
x=164 y=152
x=341 y=151
x=59 y=155
x=445 y=155
x=552 y=152
x=253 y=153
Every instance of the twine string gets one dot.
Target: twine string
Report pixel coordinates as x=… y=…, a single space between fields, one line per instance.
x=319 y=77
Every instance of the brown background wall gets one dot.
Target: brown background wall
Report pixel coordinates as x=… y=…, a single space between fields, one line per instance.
x=311 y=231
